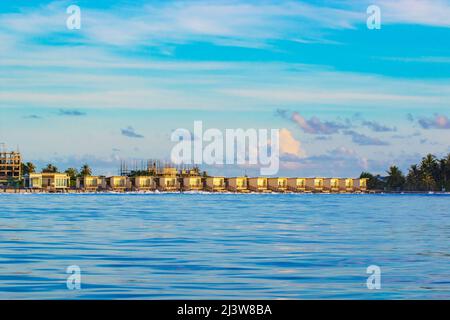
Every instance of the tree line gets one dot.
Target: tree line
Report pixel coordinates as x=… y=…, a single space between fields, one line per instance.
x=431 y=174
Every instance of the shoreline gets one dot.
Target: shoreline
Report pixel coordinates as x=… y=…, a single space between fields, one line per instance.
x=157 y=192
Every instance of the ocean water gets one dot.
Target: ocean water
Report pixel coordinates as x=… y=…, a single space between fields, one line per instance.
x=224 y=246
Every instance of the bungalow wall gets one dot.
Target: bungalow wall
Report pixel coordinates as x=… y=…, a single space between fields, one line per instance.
x=314 y=184
x=237 y=184
x=258 y=184
x=296 y=184
x=277 y=184
x=331 y=184
x=215 y=184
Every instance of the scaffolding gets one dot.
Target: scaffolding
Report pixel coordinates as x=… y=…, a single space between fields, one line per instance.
x=10 y=165
x=154 y=167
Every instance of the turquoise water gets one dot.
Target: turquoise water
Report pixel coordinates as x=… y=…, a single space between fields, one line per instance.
x=205 y=246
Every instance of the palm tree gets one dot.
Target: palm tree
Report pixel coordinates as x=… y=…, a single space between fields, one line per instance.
x=430 y=172
x=429 y=164
x=429 y=161
x=28 y=168
x=413 y=178
x=446 y=172
x=429 y=182
x=85 y=170
x=396 y=179
x=442 y=181
x=50 y=169
x=72 y=173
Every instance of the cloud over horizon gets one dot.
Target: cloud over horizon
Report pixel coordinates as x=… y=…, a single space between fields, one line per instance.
x=363 y=140
x=313 y=125
x=71 y=113
x=130 y=133
x=378 y=127
x=438 y=121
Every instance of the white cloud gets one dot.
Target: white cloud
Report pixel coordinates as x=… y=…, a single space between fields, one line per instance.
x=337 y=162
x=95 y=79
x=344 y=94
x=289 y=145
x=421 y=12
x=251 y=24
x=429 y=59
x=221 y=22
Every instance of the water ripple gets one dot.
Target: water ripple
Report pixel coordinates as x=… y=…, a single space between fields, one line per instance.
x=203 y=246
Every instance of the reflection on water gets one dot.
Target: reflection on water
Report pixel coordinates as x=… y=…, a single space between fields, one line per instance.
x=167 y=246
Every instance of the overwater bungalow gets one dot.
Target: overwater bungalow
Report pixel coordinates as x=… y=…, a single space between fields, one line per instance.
x=215 y=184
x=168 y=180
x=258 y=184
x=168 y=183
x=237 y=184
x=296 y=184
x=116 y=183
x=360 y=184
x=143 y=183
x=277 y=184
x=331 y=184
x=346 y=185
x=314 y=184
x=192 y=183
x=90 y=183
x=53 y=182
x=33 y=181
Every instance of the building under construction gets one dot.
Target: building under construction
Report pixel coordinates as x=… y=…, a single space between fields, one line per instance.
x=154 y=168
x=10 y=166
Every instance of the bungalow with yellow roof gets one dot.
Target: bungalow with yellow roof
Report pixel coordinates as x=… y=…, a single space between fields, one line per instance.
x=314 y=184
x=258 y=184
x=168 y=180
x=346 y=185
x=168 y=183
x=90 y=183
x=143 y=183
x=296 y=184
x=215 y=184
x=277 y=184
x=116 y=183
x=33 y=181
x=192 y=183
x=52 y=182
x=331 y=184
x=237 y=184
x=360 y=184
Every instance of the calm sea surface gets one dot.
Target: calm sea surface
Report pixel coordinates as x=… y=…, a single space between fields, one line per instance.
x=205 y=246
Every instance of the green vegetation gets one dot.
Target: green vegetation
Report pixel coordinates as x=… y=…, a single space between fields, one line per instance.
x=14 y=183
x=85 y=170
x=373 y=182
x=136 y=173
x=431 y=174
x=28 y=168
x=50 y=169
x=73 y=174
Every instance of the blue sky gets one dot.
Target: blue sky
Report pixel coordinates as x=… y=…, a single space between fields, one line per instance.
x=348 y=98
